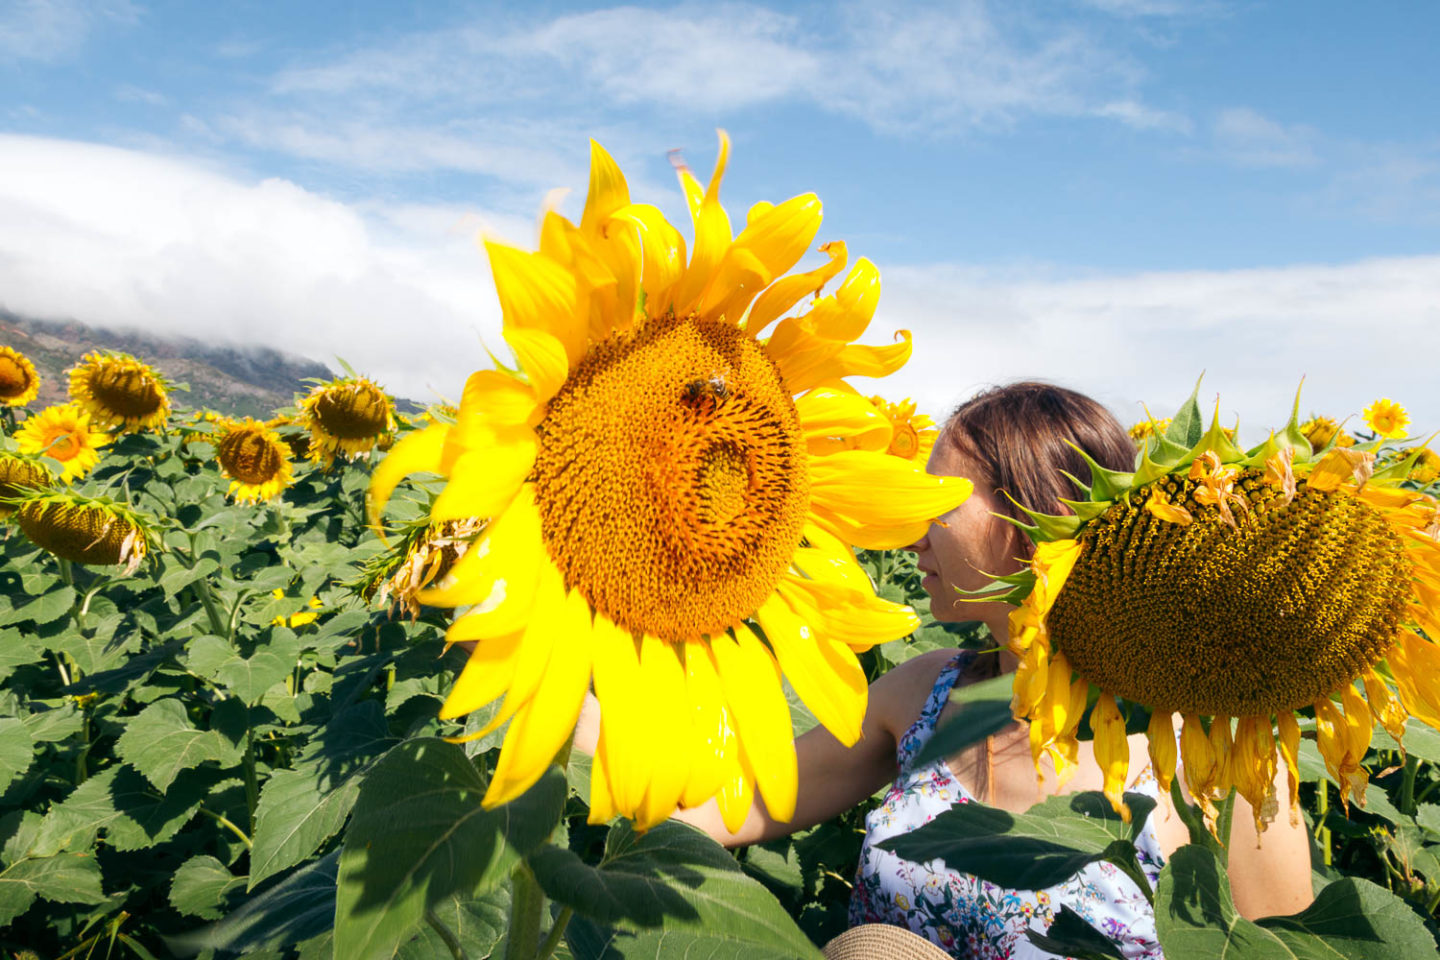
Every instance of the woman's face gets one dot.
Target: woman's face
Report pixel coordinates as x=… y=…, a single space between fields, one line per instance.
x=966 y=548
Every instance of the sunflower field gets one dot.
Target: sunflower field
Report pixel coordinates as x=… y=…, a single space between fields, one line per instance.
x=307 y=687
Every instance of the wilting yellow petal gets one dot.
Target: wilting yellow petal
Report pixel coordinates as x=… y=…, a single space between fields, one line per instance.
x=1161 y=734
x=1340 y=465
x=751 y=681
x=1253 y=768
x=1290 y=751
x=1385 y=706
x=1160 y=506
x=417 y=452
x=843 y=500
x=1201 y=766
x=1112 y=751
x=547 y=719
x=823 y=672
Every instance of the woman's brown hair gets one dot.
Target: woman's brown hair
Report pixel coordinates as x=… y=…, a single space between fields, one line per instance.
x=1017 y=439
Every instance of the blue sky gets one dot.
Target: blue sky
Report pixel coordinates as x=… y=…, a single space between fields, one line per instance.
x=1114 y=194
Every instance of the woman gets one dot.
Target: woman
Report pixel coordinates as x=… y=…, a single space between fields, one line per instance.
x=1013 y=441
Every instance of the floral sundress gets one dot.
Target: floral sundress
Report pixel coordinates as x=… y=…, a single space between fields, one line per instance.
x=969 y=917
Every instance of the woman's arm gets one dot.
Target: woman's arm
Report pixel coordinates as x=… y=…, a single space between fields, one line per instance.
x=1269 y=872
x=832 y=777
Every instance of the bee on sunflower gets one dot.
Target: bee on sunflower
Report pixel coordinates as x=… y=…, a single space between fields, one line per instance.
x=119 y=391
x=671 y=498
x=87 y=530
x=19 y=383
x=1234 y=588
x=349 y=416
x=65 y=433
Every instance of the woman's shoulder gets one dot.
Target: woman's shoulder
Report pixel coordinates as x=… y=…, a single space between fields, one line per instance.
x=897 y=698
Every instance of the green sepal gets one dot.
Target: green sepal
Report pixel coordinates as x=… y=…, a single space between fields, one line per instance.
x=1215 y=439
x=1047 y=526
x=1399 y=470
x=1256 y=456
x=1148 y=469
x=1293 y=436
x=1105 y=484
x=1012 y=588
x=1081 y=485
x=1087 y=510
x=1186 y=427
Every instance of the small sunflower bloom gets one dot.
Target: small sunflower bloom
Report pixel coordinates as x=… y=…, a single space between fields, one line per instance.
x=1258 y=582
x=254 y=458
x=1319 y=431
x=63 y=432
x=19 y=383
x=912 y=435
x=93 y=532
x=349 y=417
x=1426 y=468
x=1146 y=429
x=299 y=618
x=1387 y=418
x=675 y=470
x=120 y=392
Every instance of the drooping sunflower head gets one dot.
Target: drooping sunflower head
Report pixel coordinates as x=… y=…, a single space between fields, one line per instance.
x=20 y=476
x=254 y=458
x=672 y=481
x=912 y=435
x=1232 y=587
x=348 y=416
x=94 y=532
x=19 y=383
x=119 y=391
x=422 y=557
x=65 y=433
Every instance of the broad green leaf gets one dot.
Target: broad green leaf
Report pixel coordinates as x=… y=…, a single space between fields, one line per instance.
x=420 y=835
x=672 y=877
x=477 y=926
x=17 y=750
x=1428 y=817
x=1070 y=936
x=294 y=817
x=207 y=654
x=298 y=908
x=249 y=678
x=203 y=887
x=590 y=941
x=52 y=726
x=1350 y=919
x=1043 y=847
x=985 y=709
x=161 y=742
x=63 y=878
x=16 y=651
x=131 y=812
x=1421 y=740
x=46 y=608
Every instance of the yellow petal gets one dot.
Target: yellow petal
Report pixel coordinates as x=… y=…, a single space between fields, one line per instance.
x=1341 y=465
x=830 y=559
x=602 y=801
x=668 y=727
x=787 y=291
x=484 y=482
x=842 y=497
x=510 y=553
x=738 y=793
x=536 y=293
x=417 y=452
x=662 y=250
x=708 y=724
x=608 y=190
x=1202 y=767
x=750 y=679
x=847 y=314
x=772 y=242
x=856 y=618
x=548 y=718
x=1385 y=706
x=739 y=277
x=486 y=675
x=823 y=362
x=838 y=412
x=1112 y=751
x=1161 y=734
x=532 y=661
x=823 y=672
x=542 y=357
x=622 y=724
x=712 y=231
x=1290 y=751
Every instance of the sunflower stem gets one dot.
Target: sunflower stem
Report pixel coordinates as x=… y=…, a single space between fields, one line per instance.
x=557 y=930
x=1322 y=832
x=444 y=933
x=225 y=822
x=527 y=908
x=252 y=784
x=1407 y=785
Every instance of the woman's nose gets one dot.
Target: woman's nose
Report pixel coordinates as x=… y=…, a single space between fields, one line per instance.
x=921 y=545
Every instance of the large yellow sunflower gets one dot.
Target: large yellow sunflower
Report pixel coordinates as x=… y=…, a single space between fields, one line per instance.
x=63 y=432
x=255 y=459
x=349 y=416
x=19 y=383
x=119 y=391
x=660 y=518
x=1233 y=588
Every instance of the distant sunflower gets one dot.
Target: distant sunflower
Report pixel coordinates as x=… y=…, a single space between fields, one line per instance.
x=19 y=477
x=63 y=432
x=671 y=500
x=119 y=391
x=349 y=416
x=254 y=458
x=94 y=532
x=912 y=435
x=1146 y=429
x=1254 y=584
x=1426 y=468
x=19 y=383
x=1387 y=418
x=1319 y=431
x=422 y=559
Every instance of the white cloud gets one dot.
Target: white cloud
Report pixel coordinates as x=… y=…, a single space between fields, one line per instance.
x=48 y=30
x=126 y=239
x=123 y=238
x=1248 y=138
x=1355 y=331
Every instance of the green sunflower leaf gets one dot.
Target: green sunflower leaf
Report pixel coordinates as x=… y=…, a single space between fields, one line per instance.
x=1071 y=936
x=161 y=742
x=1188 y=426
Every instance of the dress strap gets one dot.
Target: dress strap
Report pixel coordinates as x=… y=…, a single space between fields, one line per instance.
x=920 y=731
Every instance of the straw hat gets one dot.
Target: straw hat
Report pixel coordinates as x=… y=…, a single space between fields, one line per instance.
x=880 y=941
